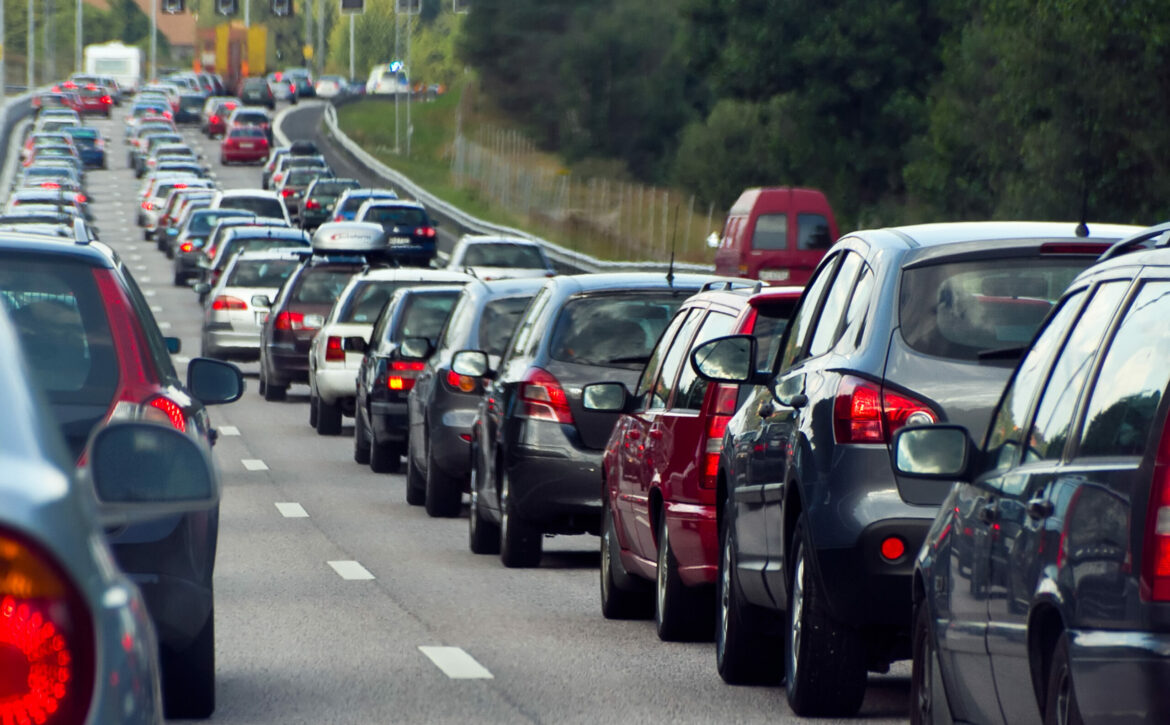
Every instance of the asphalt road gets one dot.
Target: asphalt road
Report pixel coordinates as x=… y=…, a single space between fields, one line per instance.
x=298 y=642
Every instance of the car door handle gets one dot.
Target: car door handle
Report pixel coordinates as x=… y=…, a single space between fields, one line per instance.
x=1040 y=508
x=989 y=513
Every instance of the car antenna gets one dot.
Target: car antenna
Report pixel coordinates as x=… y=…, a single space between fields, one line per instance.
x=1083 y=228
x=673 y=242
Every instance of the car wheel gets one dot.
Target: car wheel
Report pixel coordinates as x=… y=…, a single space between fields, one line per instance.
x=443 y=492
x=746 y=653
x=416 y=486
x=274 y=392
x=681 y=613
x=312 y=411
x=922 y=674
x=483 y=536
x=262 y=383
x=188 y=677
x=361 y=442
x=1061 y=706
x=387 y=458
x=328 y=418
x=161 y=244
x=178 y=279
x=520 y=542
x=824 y=659
x=622 y=596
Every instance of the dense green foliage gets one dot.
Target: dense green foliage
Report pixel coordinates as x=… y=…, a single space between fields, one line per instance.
x=432 y=47
x=903 y=110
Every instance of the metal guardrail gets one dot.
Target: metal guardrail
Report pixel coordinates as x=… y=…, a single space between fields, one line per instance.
x=556 y=252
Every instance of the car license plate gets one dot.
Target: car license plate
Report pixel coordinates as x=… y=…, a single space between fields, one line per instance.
x=774 y=275
x=245 y=145
x=400 y=240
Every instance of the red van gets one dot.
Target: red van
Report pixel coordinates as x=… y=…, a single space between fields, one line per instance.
x=776 y=234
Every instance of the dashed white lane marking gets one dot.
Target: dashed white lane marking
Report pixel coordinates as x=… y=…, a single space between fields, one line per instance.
x=156 y=308
x=140 y=267
x=456 y=664
x=144 y=280
x=181 y=359
x=149 y=292
x=164 y=325
x=132 y=248
x=254 y=464
x=292 y=510
x=135 y=258
x=351 y=570
x=228 y=430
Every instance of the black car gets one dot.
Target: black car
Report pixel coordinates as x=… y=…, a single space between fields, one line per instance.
x=409 y=228
x=405 y=332
x=190 y=107
x=1042 y=592
x=256 y=92
x=442 y=404
x=906 y=326
x=316 y=207
x=536 y=450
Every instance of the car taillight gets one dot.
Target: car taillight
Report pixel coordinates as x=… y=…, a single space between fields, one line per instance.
x=292 y=321
x=147 y=205
x=80 y=198
x=1155 y=580
x=276 y=178
x=214 y=119
x=333 y=350
x=865 y=412
x=292 y=87
x=722 y=408
x=107 y=100
x=338 y=218
x=462 y=383
x=50 y=185
x=165 y=410
x=543 y=397
x=402 y=374
x=428 y=232
x=286 y=193
x=312 y=204
x=186 y=247
x=227 y=302
x=46 y=638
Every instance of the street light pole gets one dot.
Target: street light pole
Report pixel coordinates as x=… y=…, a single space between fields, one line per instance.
x=318 y=52
x=3 y=74
x=77 y=39
x=247 y=13
x=154 y=40
x=31 y=60
x=351 y=71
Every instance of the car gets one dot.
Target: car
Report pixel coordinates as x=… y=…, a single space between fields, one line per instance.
x=147 y=142
x=232 y=319
x=95 y=99
x=93 y=345
x=282 y=90
x=1040 y=588
x=441 y=405
x=292 y=187
x=285 y=162
x=410 y=231
x=536 y=450
x=253 y=118
x=190 y=107
x=334 y=359
x=261 y=203
x=495 y=257
x=903 y=326
x=91 y=146
x=177 y=208
x=71 y=202
x=243 y=144
x=329 y=86
x=62 y=99
x=317 y=203
x=215 y=114
x=660 y=535
x=232 y=236
x=302 y=79
x=154 y=199
x=189 y=242
x=347 y=205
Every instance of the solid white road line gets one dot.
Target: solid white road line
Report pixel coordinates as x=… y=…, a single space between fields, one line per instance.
x=456 y=664
x=228 y=430
x=351 y=570
x=292 y=510
x=254 y=464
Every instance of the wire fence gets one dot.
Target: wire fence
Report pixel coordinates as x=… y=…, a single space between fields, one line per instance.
x=612 y=219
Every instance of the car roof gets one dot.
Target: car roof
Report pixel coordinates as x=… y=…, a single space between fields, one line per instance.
x=244 y=193
x=390 y=274
x=95 y=254
x=470 y=239
x=927 y=235
x=251 y=229
x=686 y=283
x=393 y=202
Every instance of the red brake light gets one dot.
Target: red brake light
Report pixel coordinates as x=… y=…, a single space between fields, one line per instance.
x=169 y=409
x=214 y=119
x=286 y=193
x=147 y=205
x=292 y=321
x=186 y=247
x=722 y=408
x=333 y=350
x=312 y=204
x=227 y=302
x=46 y=659
x=865 y=412
x=1155 y=580
x=462 y=383
x=403 y=373
x=893 y=548
x=50 y=185
x=428 y=232
x=1093 y=248
x=543 y=397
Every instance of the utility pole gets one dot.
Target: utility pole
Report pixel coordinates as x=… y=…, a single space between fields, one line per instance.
x=3 y=74
x=350 y=38
x=154 y=40
x=247 y=13
x=409 y=83
x=397 y=57
x=77 y=39
x=31 y=60
x=50 y=53
x=319 y=51
x=308 y=10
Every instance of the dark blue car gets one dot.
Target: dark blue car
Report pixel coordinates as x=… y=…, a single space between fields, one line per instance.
x=90 y=146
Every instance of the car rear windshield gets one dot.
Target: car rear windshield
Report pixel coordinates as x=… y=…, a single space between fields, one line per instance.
x=958 y=310
x=612 y=330
x=258 y=205
x=498 y=322
x=261 y=272
x=331 y=189
x=204 y=221
x=304 y=177
x=191 y=103
x=397 y=215
x=256 y=118
x=246 y=132
x=368 y=298
x=254 y=244
x=321 y=285
x=425 y=314
x=523 y=256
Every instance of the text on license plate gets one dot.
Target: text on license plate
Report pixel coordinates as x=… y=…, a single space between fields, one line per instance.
x=400 y=240
x=245 y=145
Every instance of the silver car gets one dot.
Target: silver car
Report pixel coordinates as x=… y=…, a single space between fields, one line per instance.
x=232 y=318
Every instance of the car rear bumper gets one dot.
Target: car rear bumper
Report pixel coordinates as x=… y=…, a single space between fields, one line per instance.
x=290 y=367
x=223 y=343
x=694 y=537
x=334 y=384
x=389 y=419
x=1121 y=676
x=556 y=489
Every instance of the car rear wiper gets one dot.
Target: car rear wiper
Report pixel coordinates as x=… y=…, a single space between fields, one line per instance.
x=1003 y=353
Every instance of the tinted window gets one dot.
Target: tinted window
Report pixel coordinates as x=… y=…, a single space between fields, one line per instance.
x=203 y=221
x=675 y=356
x=255 y=244
x=261 y=272
x=503 y=255
x=960 y=309
x=524 y=342
x=1058 y=402
x=396 y=215
x=304 y=177
x=771 y=232
x=258 y=205
x=425 y=314
x=648 y=372
x=812 y=232
x=1006 y=433
x=366 y=300
x=246 y=132
x=691 y=388
x=829 y=323
x=798 y=331
x=321 y=286
x=331 y=188
x=854 y=323
x=497 y=322
x=611 y=330
x=768 y=329
x=353 y=203
x=1133 y=378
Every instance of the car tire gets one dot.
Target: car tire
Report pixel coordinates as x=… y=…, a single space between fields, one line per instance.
x=361 y=441
x=622 y=596
x=312 y=411
x=922 y=674
x=328 y=418
x=387 y=458
x=824 y=659
x=274 y=392
x=161 y=244
x=178 y=279
x=746 y=652
x=520 y=541
x=416 y=485
x=483 y=536
x=188 y=676
x=1060 y=706
x=444 y=494
x=681 y=613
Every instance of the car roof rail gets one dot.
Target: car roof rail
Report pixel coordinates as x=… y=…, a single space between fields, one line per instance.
x=1158 y=234
x=732 y=285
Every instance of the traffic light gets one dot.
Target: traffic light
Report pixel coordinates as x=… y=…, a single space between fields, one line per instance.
x=174 y=7
x=227 y=7
x=282 y=8
x=353 y=6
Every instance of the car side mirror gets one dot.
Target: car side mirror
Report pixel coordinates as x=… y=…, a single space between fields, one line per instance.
x=726 y=359
x=260 y=301
x=201 y=288
x=174 y=345
x=605 y=397
x=933 y=451
x=214 y=382
x=355 y=344
x=473 y=363
x=142 y=471
x=415 y=348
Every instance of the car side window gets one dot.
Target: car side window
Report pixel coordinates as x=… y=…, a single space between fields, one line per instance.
x=1058 y=403
x=524 y=341
x=691 y=388
x=1134 y=375
x=828 y=328
x=798 y=329
x=650 y=372
x=1005 y=435
x=853 y=326
x=674 y=361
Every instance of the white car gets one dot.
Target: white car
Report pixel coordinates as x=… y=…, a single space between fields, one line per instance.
x=329 y=86
x=334 y=359
x=234 y=314
x=258 y=201
x=496 y=257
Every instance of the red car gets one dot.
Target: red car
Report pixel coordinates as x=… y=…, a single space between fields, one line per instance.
x=57 y=99
x=243 y=144
x=96 y=99
x=217 y=121
x=660 y=532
